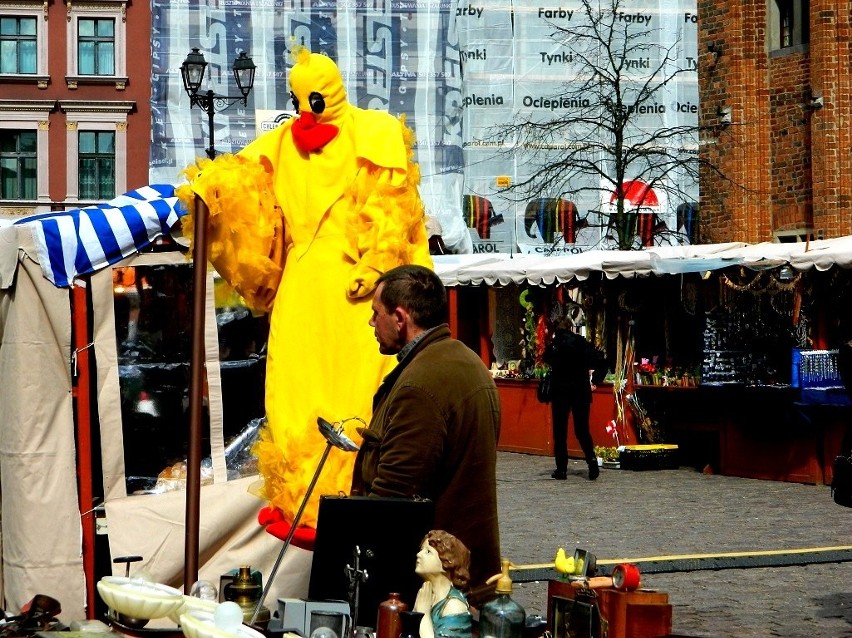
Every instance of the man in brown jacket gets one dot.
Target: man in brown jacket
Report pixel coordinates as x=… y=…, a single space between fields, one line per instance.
x=436 y=420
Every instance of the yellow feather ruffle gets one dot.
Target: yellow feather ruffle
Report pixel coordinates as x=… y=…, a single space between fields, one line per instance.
x=245 y=228
x=384 y=240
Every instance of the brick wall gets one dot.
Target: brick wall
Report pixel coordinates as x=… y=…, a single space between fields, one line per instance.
x=780 y=164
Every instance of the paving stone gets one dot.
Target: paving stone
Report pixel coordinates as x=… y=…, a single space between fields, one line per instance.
x=627 y=514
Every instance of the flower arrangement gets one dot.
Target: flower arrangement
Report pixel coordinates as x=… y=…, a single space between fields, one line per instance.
x=647 y=367
x=647 y=372
x=606 y=453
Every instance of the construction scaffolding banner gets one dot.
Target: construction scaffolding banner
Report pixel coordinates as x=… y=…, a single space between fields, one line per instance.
x=459 y=71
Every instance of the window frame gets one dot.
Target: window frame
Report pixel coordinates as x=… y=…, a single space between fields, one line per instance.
x=38 y=11
x=85 y=115
x=98 y=42
x=33 y=115
x=99 y=158
x=798 y=12
x=19 y=157
x=115 y=10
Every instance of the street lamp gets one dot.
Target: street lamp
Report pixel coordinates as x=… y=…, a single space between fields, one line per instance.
x=192 y=72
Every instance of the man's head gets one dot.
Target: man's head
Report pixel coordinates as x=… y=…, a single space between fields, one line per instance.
x=408 y=300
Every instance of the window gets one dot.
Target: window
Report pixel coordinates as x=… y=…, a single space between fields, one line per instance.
x=18 y=45
x=18 y=164
x=25 y=153
x=96 y=46
x=96 y=171
x=23 y=42
x=789 y=23
x=96 y=153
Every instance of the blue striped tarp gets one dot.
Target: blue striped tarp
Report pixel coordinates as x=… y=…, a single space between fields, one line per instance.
x=83 y=240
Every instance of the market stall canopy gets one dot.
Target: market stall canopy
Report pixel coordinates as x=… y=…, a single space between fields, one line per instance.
x=38 y=456
x=539 y=270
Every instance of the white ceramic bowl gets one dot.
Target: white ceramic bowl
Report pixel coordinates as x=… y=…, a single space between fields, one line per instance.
x=136 y=598
x=191 y=603
x=198 y=623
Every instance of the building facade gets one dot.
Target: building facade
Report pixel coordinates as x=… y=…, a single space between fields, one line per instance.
x=774 y=84
x=74 y=102
x=775 y=100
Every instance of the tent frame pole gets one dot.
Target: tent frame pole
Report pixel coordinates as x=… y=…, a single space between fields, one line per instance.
x=81 y=384
x=196 y=395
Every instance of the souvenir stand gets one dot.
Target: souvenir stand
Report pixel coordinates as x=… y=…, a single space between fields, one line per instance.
x=95 y=429
x=701 y=342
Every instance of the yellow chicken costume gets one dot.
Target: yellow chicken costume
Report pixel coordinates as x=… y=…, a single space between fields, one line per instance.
x=326 y=202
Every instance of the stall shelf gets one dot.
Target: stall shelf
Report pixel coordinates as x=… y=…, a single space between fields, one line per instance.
x=526 y=425
x=761 y=432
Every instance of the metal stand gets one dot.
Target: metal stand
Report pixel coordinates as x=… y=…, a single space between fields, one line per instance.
x=356 y=576
x=335 y=438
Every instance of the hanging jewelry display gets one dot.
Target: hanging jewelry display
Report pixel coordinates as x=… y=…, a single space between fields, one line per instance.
x=782 y=302
x=628 y=304
x=688 y=296
x=742 y=279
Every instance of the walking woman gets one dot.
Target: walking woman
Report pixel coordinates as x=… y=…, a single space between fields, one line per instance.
x=576 y=368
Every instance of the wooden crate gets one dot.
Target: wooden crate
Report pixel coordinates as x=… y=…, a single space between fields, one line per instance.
x=644 y=613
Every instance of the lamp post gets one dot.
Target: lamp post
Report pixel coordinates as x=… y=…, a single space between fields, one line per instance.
x=192 y=72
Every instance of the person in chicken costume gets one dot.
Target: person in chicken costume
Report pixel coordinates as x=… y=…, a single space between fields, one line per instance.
x=303 y=221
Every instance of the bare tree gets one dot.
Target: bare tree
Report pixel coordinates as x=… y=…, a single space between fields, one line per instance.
x=608 y=125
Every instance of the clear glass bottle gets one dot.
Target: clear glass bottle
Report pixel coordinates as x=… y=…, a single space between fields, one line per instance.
x=502 y=617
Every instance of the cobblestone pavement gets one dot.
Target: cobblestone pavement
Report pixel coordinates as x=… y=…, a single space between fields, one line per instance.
x=629 y=515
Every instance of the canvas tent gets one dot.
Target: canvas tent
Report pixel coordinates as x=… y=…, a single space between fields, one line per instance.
x=43 y=529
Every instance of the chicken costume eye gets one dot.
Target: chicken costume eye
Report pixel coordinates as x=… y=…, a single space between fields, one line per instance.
x=317 y=102
x=295 y=101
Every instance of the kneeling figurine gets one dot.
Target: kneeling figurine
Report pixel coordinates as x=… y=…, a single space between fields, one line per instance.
x=443 y=563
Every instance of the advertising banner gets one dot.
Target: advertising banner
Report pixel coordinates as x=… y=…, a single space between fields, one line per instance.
x=457 y=70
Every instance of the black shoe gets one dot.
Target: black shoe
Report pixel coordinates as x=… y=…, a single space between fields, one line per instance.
x=559 y=475
x=594 y=470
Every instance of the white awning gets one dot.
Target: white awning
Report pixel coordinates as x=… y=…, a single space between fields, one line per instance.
x=503 y=269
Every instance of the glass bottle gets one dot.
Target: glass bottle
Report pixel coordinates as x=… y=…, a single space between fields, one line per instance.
x=388 y=624
x=410 y=623
x=502 y=617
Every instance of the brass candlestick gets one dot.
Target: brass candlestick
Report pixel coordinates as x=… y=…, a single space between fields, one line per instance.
x=246 y=592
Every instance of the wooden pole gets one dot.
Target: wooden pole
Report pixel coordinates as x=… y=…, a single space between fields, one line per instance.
x=82 y=394
x=196 y=396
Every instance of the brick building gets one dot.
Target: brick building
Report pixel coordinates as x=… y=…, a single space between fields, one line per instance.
x=774 y=82
x=75 y=116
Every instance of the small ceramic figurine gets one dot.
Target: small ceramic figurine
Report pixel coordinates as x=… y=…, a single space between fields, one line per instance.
x=443 y=563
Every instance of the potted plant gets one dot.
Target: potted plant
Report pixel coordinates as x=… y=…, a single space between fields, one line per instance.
x=607 y=456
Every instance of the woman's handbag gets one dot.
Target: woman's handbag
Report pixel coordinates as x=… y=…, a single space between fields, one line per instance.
x=545 y=388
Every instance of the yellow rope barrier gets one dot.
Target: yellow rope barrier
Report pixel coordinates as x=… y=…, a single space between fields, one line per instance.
x=771 y=552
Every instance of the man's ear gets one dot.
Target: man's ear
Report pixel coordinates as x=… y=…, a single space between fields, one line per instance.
x=402 y=317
